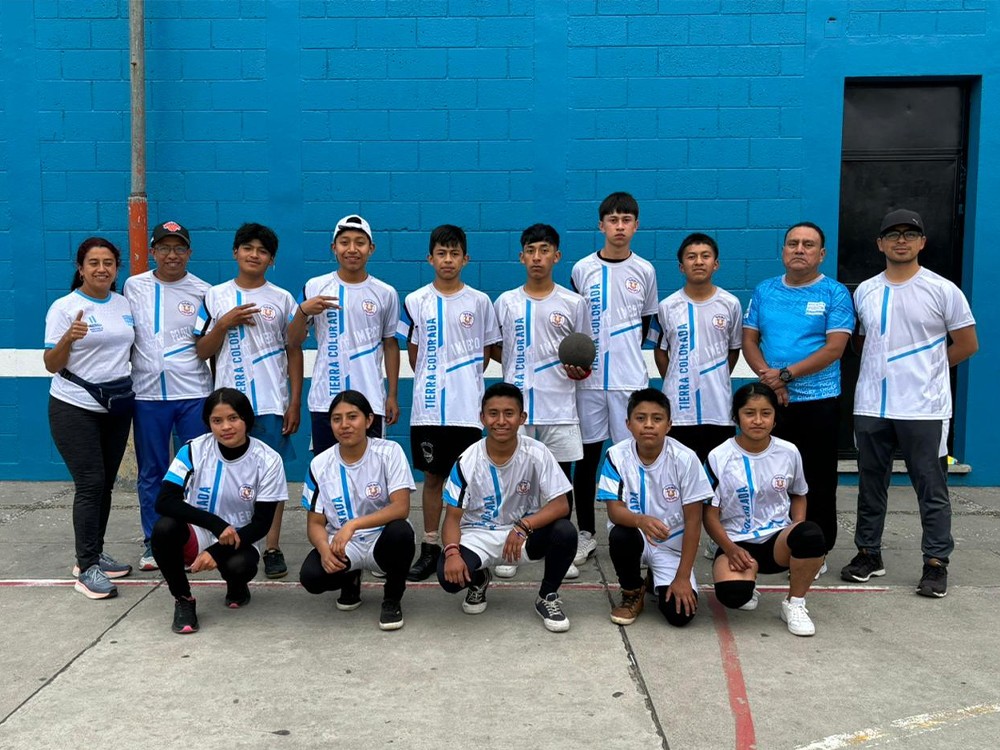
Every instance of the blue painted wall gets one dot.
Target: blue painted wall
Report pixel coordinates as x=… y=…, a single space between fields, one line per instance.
x=719 y=115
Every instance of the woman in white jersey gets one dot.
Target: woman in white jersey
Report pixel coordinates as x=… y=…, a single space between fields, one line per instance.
x=757 y=515
x=216 y=505
x=88 y=339
x=358 y=497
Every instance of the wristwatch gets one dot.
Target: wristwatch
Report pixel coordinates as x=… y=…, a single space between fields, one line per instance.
x=785 y=376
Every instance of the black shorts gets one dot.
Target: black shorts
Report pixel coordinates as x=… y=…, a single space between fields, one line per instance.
x=702 y=438
x=435 y=449
x=763 y=553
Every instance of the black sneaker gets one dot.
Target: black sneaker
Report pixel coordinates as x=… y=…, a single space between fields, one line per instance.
x=863 y=566
x=550 y=610
x=392 y=615
x=426 y=565
x=475 y=598
x=934 y=581
x=237 y=597
x=185 y=617
x=274 y=564
x=350 y=593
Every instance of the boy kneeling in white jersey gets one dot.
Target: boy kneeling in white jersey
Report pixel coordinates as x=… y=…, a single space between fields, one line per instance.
x=506 y=503
x=654 y=487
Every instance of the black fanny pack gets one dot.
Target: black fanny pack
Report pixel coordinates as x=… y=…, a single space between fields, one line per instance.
x=116 y=396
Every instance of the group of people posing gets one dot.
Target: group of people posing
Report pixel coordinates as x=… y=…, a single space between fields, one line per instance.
x=221 y=367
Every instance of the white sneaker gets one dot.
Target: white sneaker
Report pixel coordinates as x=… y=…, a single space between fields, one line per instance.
x=751 y=605
x=573 y=572
x=505 y=571
x=710 y=549
x=586 y=545
x=797 y=617
x=147 y=561
x=821 y=571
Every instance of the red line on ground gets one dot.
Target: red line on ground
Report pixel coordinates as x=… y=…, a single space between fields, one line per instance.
x=746 y=738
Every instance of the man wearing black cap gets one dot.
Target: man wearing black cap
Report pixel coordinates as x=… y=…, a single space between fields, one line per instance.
x=906 y=315
x=169 y=379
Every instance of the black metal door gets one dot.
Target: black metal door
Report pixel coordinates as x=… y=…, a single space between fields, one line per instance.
x=905 y=144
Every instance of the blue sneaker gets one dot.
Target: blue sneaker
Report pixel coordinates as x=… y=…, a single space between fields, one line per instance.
x=94 y=584
x=109 y=566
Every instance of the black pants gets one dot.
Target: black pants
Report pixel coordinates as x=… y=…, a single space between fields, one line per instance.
x=92 y=445
x=236 y=566
x=393 y=551
x=625 y=547
x=585 y=485
x=702 y=438
x=555 y=542
x=812 y=426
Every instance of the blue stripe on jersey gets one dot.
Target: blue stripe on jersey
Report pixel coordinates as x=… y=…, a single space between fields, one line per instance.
x=239 y=301
x=642 y=491
x=919 y=349
x=346 y=487
x=610 y=472
x=604 y=288
x=343 y=306
x=691 y=328
x=886 y=291
x=174 y=479
x=497 y=492
x=531 y=406
x=184 y=348
x=308 y=488
x=629 y=328
x=443 y=393
x=553 y=363
x=881 y=411
x=366 y=352
x=769 y=529
x=270 y=354
x=676 y=533
x=440 y=307
x=214 y=501
x=749 y=472
x=467 y=362
x=163 y=384
x=156 y=308
x=253 y=395
x=527 y=323
x=716 y=366
x=697 y=405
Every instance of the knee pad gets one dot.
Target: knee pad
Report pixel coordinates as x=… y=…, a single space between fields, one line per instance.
x=734 y=594
x=806 y=540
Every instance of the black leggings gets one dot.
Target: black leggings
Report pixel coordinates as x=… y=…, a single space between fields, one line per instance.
x=92 y=445
x=555 y=542
x=393 y=551
x=625 y=547
x=236 y=566
x=585 y=485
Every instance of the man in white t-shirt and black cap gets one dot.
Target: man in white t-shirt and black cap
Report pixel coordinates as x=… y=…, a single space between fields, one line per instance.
x=906 y=316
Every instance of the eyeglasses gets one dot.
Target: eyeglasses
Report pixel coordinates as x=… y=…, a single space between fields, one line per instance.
x=909 y=235
x=167 y=249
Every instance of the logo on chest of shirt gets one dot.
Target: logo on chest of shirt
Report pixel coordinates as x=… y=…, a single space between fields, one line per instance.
x=268 y=313
x=720 y=322
x=373 y=490
x=247 y=493
x=523 y=487
x=633 y=285
x=557 y=319
x=93 y=326
x=671 y=494
x=129 y=320
x=779 y=482
x=186 y=307
x=369 y=307
x=467 y=319
x=815 y=308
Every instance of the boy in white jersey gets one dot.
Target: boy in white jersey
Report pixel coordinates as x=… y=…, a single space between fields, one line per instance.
x=619 y=289
x=654 y=487
x=701 y=327
x=903 y=398
x=169 y=379
x=534 y=319
x=506 y=502
x=355 y=317
x=450 y=328
x=243 y=324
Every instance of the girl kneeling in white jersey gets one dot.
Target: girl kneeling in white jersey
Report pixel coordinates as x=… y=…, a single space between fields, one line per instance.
x=358 y=497
x=757 y=515
x=216 y=504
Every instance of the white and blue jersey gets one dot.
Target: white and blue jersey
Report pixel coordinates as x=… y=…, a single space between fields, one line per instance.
x=226 y=488
x=618 y=295
x=698 y=337
x=794 y=321
x=494 y=497
x=99 y=357
x=532 y=330
x=661 y=489
x=349 y=339
x=904 y=363
x=252 y=359
x=450 y=332
x=343 y=491
x=165 y=366
x=753 y=490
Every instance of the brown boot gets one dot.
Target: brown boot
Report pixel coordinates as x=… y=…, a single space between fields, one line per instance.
x=632 y=603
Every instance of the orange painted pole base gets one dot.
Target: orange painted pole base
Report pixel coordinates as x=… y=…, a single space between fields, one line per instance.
x=138 y=234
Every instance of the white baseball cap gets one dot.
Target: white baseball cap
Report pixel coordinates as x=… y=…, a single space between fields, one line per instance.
x=354 y=222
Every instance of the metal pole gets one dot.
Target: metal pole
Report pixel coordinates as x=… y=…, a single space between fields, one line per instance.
x=138 y=222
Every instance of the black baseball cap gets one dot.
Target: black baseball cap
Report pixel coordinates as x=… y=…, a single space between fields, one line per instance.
x=900 y=217
x=170 y=229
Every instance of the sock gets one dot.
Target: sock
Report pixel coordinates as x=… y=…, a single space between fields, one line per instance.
x=797 y=600
x=431 y=537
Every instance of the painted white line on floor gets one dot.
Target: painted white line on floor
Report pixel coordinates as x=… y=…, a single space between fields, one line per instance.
x=902 y=729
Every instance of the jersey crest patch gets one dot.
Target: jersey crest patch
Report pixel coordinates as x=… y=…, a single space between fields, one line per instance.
x=557 y=319
x=268 y=313
x=523 y=487
x=247 y=493
x=719 y=322
x=369 y=307
x=467 y=319
x=779 y=482
x=671 y=494
x=186 y=307
x=633 y=285
x=373 y=490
